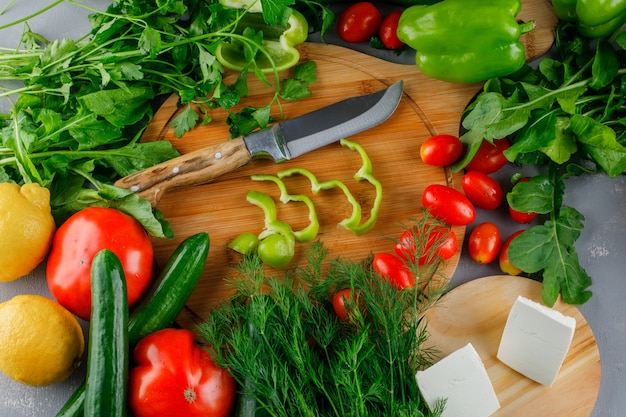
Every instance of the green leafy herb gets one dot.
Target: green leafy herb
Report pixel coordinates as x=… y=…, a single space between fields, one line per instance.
x=84 y=103
x=566 y=115
x=284 y=343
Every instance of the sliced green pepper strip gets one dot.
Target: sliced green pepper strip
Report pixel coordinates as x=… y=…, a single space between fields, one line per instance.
x=316 y=186
x=265 y=203
x=308 y=233
x=365 y=173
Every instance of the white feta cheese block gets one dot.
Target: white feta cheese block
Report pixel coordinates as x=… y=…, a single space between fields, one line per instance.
x=535 y=340
x=461 y=379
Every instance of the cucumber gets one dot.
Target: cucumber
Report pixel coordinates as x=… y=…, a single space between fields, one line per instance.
x=166 y=298
x=107 y=360
x=161 y=304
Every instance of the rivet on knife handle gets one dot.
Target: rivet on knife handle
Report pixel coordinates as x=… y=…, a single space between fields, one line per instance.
x=196 y=167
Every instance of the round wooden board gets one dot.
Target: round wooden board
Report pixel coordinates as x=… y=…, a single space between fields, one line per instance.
x=221 y=209
x=428 y=107
x=476 y=312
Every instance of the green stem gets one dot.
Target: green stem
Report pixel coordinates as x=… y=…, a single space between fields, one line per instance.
x=32 y=15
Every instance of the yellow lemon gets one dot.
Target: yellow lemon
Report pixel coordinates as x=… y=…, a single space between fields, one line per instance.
x=41 y=343
x=26 y=227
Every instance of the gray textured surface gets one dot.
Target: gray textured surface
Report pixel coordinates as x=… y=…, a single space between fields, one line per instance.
x=602 y=251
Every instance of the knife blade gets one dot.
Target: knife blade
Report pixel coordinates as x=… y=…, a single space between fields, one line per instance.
x=280 y=141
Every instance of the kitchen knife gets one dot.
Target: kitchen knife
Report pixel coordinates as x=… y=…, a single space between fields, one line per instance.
x=280 y=141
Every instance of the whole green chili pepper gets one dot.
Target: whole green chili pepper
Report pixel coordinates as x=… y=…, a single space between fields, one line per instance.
x=465 y=41
x=594 y=18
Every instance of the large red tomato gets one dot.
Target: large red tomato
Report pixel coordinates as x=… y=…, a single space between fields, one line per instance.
x=175 y=376
x=77 y=241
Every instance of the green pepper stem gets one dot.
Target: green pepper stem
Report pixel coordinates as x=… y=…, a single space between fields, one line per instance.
x=526 y=27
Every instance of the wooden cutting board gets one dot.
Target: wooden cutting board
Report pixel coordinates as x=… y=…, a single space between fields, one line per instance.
x=476 y=313
x=428 y=107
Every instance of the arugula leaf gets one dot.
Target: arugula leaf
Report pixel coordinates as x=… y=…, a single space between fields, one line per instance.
x=121 y=107
x=600 y=142
x=550 y=248
x=137 y=156
x=535 y=195
x=605 y=65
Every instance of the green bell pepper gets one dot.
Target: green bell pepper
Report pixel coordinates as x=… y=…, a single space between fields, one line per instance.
x=465 y=41
x=594 y=18
x=277 y=50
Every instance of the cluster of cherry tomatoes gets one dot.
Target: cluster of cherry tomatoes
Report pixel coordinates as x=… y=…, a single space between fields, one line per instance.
x=479 y=190
x=453 y=208
x=362 y=21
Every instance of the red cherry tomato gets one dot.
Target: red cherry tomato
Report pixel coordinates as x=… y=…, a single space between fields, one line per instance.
x=441 y=150
x=489 y=158
x=77 y=241
x=443 y=237
x=506 y=265
x=449 y=205
x=484 y=243
x=520 y=216
x=359 y=22
x=394 y=270
x=388 y=31
x=344 y=302
x=482 y=190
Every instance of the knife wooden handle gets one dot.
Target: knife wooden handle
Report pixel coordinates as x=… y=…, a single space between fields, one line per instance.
x=196 y=167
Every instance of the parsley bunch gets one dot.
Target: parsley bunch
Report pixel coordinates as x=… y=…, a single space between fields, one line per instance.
x=77 y=120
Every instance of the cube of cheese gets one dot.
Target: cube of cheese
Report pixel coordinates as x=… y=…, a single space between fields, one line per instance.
x=461 y=379
x=535 y=340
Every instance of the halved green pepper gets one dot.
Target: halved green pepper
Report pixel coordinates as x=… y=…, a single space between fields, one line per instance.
x=465 y=41
x=594 y=18
x=278 y=41
x=277 y=241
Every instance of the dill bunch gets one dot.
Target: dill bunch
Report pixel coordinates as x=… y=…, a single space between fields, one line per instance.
x=292 y=356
